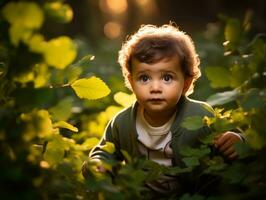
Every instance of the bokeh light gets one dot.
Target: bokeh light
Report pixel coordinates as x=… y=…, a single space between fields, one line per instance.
x=112 y=30
x=113 y=6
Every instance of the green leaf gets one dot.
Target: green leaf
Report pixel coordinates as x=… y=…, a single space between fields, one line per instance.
x=26 y=14
x=124 y=99
x=109 y=147
x=55 y=150
x=18 y=33
x=60 y=52
x=90 y=88
x=37 y=123
x=222 y=97
x=62 y=111
x=223 y=124
x=239 y=74
x=126 y=156
x=88 y=144
x=192 y=123
x=219 y=76
x=84 y=62
x=36 y=43
x=191 y=161
x=252 y=99
x=215 y=164
x=243 y=149
x=235 y=173
x=194 y=152
x=233 y=31
x=63 y=124
x=59 y=12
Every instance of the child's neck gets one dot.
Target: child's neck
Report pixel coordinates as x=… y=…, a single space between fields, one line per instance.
x=158 y=119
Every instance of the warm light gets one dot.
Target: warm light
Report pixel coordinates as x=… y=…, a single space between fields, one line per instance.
x=148 y=7
x=44 y=164
x=113 y=6
x=112 y=30
x=143 y=2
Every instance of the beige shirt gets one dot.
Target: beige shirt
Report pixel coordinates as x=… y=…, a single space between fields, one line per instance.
x=154 y=142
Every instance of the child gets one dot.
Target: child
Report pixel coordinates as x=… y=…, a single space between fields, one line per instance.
x=160 y=66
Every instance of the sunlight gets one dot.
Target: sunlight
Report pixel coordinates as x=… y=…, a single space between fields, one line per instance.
x=113 y=6
x=148 y=7
x=143 y=2
x=112 y=30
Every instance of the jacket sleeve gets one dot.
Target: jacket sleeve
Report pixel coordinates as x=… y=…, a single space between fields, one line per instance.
x=99 y=152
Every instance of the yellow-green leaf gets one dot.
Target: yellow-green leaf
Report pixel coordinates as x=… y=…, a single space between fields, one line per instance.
x=109 y=147
x=88 y=144
x=63 y=124
x=60 y=52
x=219 y=76
x=192 y=123
x=18 y=33
x=26 y=14
x=90 y=88
x=124 y=99
x=37 y=123
x=55 y=150
x=59 y=12
x=36 y=43
x=62 y=110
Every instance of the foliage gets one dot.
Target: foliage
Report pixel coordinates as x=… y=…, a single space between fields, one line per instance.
x=46 y=132
x=39 y=154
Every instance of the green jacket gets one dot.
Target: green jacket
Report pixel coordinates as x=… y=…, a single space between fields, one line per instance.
x=121 y=131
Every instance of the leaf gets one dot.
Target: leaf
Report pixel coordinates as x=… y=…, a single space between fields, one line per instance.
x=235 y=173
x=194 y=152
x=59 y=12
x=191 y=161
x=223 y=124
x=60 y=52
x=192 y=123
x=37 y=123
x=233 y=31
x=63 y=124
x=124 y=99
x=252 y=99
x=90 y=88
x=84 y=62
x=109 y=147
x=219 y=76
x=55 y=150
x=222 y=97
x=126 y=156
x=88 y=144
x=36 y=43
x=239 y=74
x=18 y=33
x=62 y=111
x=26 y=14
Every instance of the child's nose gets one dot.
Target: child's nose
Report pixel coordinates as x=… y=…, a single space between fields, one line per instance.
x=155 y=87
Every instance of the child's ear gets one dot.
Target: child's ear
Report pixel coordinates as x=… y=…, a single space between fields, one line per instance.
x=187 y=84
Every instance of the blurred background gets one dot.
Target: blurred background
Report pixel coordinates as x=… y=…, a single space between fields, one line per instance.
x=99 y=27
x=60 y=84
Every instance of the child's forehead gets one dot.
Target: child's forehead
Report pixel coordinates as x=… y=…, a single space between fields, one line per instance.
x=167 y=63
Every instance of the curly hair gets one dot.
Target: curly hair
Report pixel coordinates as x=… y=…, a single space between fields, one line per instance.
x=151 y=44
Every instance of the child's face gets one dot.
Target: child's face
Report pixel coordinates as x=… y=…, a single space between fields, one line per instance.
x=158 y=86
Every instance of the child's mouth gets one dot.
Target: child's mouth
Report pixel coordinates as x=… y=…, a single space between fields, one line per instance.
x=156 y=100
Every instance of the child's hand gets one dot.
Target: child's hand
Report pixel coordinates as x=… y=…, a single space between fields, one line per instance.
x=94 y=167
x=225 y=144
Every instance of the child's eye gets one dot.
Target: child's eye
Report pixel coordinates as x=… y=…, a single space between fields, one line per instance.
x=144 y=78
x=167 y=78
